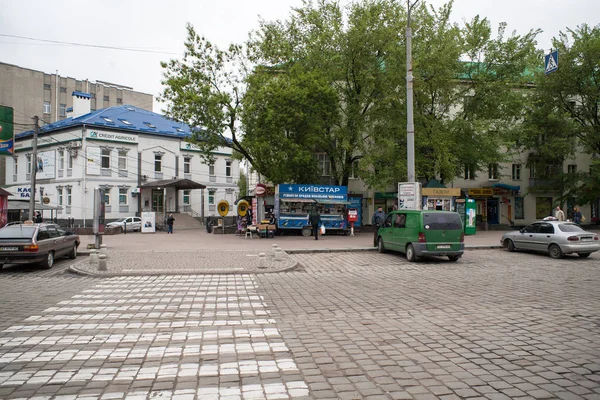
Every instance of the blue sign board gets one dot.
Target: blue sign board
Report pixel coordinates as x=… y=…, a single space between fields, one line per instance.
x=314 y=192
x=551 y=62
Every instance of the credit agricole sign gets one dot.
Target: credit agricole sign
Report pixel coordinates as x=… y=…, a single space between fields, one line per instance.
x=112 y=136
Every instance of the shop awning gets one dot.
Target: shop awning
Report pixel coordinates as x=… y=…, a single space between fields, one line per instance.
x=434 y=183
x=24 y=205
x=179 y=184
x=507 y=187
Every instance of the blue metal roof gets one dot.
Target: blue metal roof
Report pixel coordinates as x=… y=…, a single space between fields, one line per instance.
x=125 y=118
x=81 y=94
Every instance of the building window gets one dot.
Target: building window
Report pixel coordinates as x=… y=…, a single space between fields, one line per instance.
x=187 y=163
x=519 y=208
x=61 y=160
x=68 y=197
x=469 y=172
x=59 y=195
x=119 y=100
x=28 y=164
x=228 y=168
x=211 y=197
x=324 y=164
x=63 y=89
x=572 y=169
x=16 y=166
x=105 y=158
x=70 y=164
x=47 y=107
x=123 y=195
x=186 y=197
x=354 y=171
x=47 y=86
x=493 y=171
x=122 y=160
x=157 y=163
x=62 y=110
x=107 y=197
x=106 y=98
x=211 y=170
x=516 y=172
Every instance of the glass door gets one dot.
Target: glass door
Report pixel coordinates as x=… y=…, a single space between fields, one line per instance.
x=158 y=200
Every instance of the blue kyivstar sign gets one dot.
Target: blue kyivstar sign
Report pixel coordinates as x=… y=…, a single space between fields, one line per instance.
x=316 y=192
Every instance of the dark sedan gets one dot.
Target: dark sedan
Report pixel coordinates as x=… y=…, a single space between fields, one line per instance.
x=36 y=243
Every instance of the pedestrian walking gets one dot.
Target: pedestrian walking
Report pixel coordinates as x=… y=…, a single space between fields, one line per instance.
x=315 y=221
x=559 y=214
x=377 y=221
x=38 y=218
x=170 y=221
x=576 y=215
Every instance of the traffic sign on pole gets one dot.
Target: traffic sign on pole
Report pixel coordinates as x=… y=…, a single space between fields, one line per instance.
x=551 y=62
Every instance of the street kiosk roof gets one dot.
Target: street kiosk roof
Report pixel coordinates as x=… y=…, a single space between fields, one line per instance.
x=176 y=183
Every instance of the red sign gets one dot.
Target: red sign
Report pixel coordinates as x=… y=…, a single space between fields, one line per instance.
x=352 y=215
x=260 y=190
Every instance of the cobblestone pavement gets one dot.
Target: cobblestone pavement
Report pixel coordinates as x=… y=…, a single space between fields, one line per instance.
x=495 y=325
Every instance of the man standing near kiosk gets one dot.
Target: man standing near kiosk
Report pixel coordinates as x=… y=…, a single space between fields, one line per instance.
x=377 y=221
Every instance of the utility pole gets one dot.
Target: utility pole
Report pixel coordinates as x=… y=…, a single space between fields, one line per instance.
x=33 y=168
x=410 y=125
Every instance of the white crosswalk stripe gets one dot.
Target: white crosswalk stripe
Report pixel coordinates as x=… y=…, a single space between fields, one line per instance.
x=153 y=328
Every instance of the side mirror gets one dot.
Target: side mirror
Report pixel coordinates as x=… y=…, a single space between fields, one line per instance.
x=522 y=230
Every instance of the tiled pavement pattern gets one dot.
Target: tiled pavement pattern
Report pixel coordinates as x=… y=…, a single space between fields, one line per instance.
x=179 y=337
x=133 y=263
x=495 y=325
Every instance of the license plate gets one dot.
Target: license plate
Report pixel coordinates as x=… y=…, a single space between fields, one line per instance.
x=443 y=246
x=9 y=248
x=586 y=239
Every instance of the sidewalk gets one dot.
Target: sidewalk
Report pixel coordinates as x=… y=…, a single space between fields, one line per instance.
x=198 y=252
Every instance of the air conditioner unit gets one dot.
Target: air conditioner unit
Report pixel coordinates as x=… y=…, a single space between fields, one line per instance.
x=75 y=145
x=135 y=190
x=73 y=153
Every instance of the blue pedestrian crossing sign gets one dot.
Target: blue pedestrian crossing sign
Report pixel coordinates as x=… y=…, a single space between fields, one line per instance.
x=551 y=62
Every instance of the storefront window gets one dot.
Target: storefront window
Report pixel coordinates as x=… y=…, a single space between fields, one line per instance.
x=519 y=209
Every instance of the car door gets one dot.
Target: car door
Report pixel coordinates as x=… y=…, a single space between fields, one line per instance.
x=137 y=224
x=543 y=237
x=57 y=240
x=399 y=222
x=525 y=238
x=129 y=224
x=386 y=232
x=43 y=240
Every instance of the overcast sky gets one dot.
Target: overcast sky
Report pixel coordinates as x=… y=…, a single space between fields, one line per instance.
x=160 y=26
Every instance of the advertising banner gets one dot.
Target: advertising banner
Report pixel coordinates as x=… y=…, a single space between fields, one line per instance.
x=7 y=139
x=46 y=162
x=3 y=210
x=409 y=196
x=148 y=222
x=316 y=192
x=93 y=160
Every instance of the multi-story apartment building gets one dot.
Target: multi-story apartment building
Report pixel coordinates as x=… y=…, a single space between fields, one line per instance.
x=141 y=159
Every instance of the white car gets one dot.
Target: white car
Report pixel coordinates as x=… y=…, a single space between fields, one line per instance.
x=131 y=224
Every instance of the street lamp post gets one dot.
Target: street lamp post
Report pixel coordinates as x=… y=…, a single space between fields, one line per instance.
x=410 y=125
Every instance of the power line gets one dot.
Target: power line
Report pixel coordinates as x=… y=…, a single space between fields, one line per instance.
x=59 y=42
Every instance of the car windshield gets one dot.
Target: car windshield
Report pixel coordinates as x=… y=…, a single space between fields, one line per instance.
x=17 y=232
x=120 y=220
x=442 y=221
x=570 y=228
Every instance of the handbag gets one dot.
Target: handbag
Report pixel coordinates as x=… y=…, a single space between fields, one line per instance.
x=582 y=219
x=322 y=229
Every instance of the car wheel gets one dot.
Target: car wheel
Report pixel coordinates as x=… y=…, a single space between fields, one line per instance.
x=306 y=231
x=49 y=261
x=582 y=255
x=453 y=258
x=380 y=245
x=510 y=245
x=410 y=253
x=555 y=251
x=73 y=253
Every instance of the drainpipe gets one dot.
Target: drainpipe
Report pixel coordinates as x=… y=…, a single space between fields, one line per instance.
x=56 y=90
x=84 y=150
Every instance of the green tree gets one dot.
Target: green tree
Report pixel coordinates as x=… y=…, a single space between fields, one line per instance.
x=205 y=90
x=287 y=113
x=242 y=184
x=564 y=121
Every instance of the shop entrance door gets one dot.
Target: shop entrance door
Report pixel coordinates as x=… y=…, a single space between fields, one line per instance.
x=158 y=201
x=492 y=211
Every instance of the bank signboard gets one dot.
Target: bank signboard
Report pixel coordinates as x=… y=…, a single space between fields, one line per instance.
x=315 y=192
x=123 y=137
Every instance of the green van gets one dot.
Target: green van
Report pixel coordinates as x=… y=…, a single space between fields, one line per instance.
x=420 y=233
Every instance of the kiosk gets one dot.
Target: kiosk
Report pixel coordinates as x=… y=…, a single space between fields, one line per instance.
x=294 y=202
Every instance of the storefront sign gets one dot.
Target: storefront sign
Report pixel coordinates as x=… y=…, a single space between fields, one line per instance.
x=260 y=190
x=113 y=136
x=442 y=192
x=317 y=192
x=49 y=140
x=481 y=192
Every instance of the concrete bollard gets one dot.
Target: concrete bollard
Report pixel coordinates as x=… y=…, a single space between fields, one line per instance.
x=274 y=250
x=102 y=263
x=278 y=254
x=93 y=257
x=104 y=250
x=262 y=262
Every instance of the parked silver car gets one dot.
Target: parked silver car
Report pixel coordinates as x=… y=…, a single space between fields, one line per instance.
x=556 y=238
x=129 y=223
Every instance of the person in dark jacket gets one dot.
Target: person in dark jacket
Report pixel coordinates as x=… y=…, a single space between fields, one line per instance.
x=38 y=218
x=315 y=221
x=377 y=220
x=170 y=221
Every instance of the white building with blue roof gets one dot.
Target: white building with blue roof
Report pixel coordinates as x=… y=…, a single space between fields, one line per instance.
x=141 y=159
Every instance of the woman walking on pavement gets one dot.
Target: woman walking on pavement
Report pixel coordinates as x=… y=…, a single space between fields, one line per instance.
x=170 y=221
x=576 y=215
